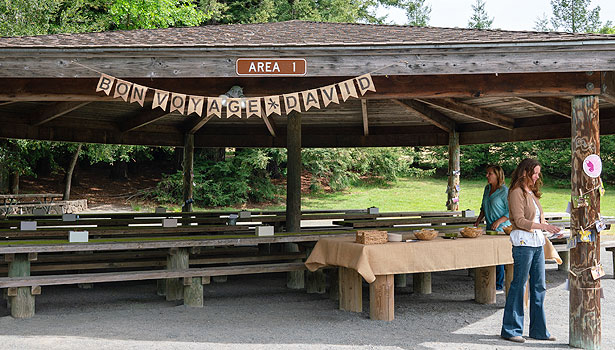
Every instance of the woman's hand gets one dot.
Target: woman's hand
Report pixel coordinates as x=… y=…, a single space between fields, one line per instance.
x=550 y=228
x=498 y=222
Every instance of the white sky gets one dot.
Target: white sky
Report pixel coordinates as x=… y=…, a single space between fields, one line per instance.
x=506 y=14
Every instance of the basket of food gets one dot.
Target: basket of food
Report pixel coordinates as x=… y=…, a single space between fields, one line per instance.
x=425 y=234
x=371 y=237
x=471 y=232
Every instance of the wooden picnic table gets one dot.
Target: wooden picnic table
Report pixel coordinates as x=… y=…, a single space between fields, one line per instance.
x=38 y=199
x=378 y=263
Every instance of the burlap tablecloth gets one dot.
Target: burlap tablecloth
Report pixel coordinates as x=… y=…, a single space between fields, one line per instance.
x=410 y=257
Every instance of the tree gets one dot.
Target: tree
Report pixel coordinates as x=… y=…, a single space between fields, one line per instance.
x=480 y=19
x=608 y=28
x=417 y=12
x=574 y=16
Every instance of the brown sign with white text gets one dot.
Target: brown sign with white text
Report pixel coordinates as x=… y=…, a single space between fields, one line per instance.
x=271 y=66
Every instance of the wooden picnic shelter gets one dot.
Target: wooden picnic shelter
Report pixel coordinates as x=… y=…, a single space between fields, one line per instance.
x=433 y=86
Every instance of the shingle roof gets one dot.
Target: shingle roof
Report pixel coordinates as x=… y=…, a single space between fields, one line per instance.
x=290 y=33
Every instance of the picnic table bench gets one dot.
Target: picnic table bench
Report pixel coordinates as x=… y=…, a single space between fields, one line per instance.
x=10 y=202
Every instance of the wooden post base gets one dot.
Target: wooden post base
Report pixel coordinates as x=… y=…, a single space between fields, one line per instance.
x=176 y=260
x=381 y=298
x=22 y=302
x=351 y=294
x=401 y=281
x=315 y=282
x=193 y=292
x=294 y=279
x=421 y=283
x=484 y=285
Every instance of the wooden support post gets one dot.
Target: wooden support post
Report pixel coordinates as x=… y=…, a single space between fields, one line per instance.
x=484 y=285
x=509 y=270
x=565 y=265
x=381 y=298
x=421 y=282
x=350 y=288
x=316 y=282
x=21 y=299
x=176 y=260
x=334 y=284
x=193 y=292
x=161 y=287
x=452 y=202
x=295 y=279
x=401 y=280
x=585 y=325
x=188 y=165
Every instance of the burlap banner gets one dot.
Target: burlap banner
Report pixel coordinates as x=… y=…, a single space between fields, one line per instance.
x=234 y=107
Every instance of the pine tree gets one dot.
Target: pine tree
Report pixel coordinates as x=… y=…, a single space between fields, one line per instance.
x=480 y=19
x=574 y=16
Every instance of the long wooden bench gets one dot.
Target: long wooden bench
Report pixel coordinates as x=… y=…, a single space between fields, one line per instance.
x=21 y=290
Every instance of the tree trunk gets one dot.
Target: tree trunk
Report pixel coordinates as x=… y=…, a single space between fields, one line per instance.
x=585 y=314
x=14 y=182
x=69 y=173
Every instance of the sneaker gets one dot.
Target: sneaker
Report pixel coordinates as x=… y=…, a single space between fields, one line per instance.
x=517 y=339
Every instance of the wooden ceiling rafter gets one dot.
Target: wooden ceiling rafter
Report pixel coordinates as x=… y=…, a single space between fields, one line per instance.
x=365 y=117
x=53 y=111
x=146 y=116
x=428 y=114
x=554 y=105
x=473 y=112
x=195 y=125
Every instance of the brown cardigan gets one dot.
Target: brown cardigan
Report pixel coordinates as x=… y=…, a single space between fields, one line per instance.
x=521 y=209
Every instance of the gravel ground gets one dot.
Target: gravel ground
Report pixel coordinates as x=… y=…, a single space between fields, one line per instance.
x=258 y=312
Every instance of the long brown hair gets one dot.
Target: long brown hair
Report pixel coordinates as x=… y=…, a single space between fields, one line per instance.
x=523 y=176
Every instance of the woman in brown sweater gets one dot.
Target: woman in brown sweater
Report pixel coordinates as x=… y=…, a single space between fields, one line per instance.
x=528 y=222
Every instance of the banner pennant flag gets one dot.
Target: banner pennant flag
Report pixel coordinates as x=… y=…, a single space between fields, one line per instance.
x=214 y=106
x=347 y=88
x=329 y=94
x=105 y=83
x=233 y=107
x=195 y=105
x=178 y=103
x=122 y=89
x=310 y=99
x=272 y=105
x=291 y=102
x=138 y=94
x=253 y=107
x=365 y=83
x=161 y=99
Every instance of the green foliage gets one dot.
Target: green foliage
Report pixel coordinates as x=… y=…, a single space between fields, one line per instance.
x=480 y=19
x=574 y=16
x=149 y=14
x=240 y=178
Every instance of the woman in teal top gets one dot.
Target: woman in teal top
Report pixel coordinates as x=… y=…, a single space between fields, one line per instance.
x=494 y=209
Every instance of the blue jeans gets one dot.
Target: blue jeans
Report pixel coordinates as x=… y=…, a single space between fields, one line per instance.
x=527 y=260
x=499 y=277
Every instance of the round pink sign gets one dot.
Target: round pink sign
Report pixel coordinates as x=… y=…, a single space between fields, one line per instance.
x=592 y=165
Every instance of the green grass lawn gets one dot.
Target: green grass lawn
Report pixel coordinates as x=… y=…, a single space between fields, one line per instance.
x=412 y=194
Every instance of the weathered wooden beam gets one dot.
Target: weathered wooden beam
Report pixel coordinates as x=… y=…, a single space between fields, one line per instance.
x=365 y=120
x=473 y=112
x=585 y=325
x=188 y=172
x=146 y=116
x=454 y=168
x=53 y=111
x=550 y=104
x=270 y=123
x=388 y=87
x=608 y=86
x=428 y=114
x=194 y=126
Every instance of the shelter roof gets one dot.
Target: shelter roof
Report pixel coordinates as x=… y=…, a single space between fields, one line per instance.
x=487 y=85
x=290 y=33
